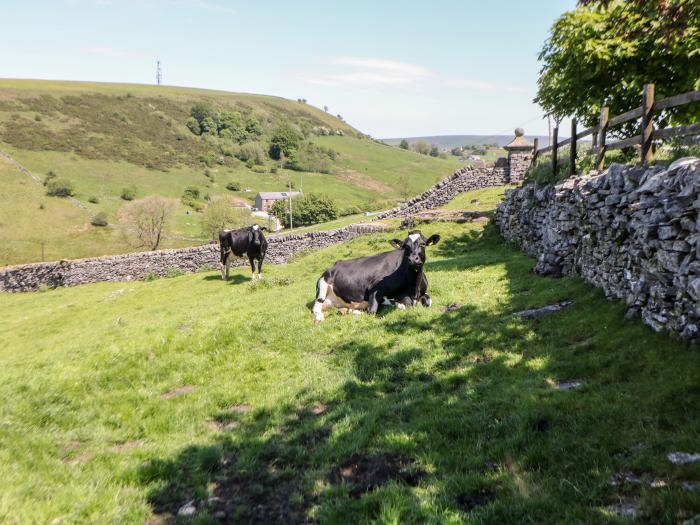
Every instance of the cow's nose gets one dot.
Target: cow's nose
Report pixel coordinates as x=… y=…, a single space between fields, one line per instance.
x=415 y=260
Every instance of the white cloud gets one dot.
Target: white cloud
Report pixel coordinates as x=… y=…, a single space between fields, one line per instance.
x=207 y=6
x=109 y=51
x=386 y=66
x=370 y=72
x=480 y=85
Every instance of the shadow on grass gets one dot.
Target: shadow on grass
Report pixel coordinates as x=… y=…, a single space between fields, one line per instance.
x=472 y=415
x=236 y=278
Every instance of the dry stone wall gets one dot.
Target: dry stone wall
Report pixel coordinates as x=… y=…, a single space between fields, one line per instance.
x=135 y=266
x=464 y=179
x=632 y=231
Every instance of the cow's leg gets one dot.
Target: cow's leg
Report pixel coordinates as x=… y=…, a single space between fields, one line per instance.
x=321 y=293
x=260 y=261
x=252 y=268
x=225 y=266
x=375 y=299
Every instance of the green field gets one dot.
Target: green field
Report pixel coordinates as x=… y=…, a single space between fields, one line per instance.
x=106 y=137
x=122 y=402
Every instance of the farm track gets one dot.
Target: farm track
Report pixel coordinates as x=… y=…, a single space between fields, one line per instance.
x=36 y=178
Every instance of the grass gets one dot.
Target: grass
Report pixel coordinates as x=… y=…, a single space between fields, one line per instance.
x=124 y=401
x=105 y=137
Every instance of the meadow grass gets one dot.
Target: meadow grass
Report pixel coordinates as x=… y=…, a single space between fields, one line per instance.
x=124 y=401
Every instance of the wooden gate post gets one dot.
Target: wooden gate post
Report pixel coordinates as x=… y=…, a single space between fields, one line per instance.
x=602 y=129
x=555 y=146
x=647 y=122
x=572 y=149
x=535 y=147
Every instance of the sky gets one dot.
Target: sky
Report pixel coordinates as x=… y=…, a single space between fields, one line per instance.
x=390 y=68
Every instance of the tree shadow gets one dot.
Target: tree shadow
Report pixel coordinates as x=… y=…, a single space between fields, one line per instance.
x=472 y=415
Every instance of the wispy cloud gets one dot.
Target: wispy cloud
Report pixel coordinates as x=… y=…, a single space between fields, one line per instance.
x=109 y=51
x=207 y=6
x=480 y=85
x=368 y=72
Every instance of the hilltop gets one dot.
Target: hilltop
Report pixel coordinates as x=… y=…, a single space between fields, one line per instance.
x=105 y=138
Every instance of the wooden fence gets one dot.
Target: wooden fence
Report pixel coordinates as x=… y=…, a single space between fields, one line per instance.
x=648 y=134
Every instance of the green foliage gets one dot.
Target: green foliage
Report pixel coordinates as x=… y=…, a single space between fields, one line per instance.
x=285 y=140
x=253 y=152
x=220 y=214
x=403 y=144
x=193 y=125
x=174 y=272
x=51 y=175
x=191 y=191
x=421 y=147
x=59 y=188
x=93 y=199
x=604 y=52
x=128 y=194
x=191 y=197
x=313 y=158
x=434 y=151
x=306 y=210
x=233 y=186
x=100 y=219
x=457 y=152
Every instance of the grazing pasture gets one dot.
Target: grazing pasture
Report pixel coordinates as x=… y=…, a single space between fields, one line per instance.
x=127 y=402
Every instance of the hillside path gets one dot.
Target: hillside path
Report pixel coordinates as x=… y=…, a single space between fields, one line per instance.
x=36 y=178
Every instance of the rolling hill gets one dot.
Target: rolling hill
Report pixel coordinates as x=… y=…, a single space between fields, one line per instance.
x=454 y=141
x=105 y=138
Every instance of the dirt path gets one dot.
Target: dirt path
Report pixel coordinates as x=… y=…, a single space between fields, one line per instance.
x=36 y=178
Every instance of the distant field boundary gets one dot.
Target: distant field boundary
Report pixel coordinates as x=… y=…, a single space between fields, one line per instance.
x=281 y=248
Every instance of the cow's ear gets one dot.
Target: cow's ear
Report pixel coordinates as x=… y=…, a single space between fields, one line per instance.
x=433 y=239
x=396 y=243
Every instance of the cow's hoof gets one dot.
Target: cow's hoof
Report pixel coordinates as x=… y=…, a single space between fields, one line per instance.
x=400 y=306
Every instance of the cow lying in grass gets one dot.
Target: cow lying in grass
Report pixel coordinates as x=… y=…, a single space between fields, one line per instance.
x=391 y=278
x=248 y=241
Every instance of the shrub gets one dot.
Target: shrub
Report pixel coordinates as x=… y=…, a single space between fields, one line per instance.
x=233 y=186
x=93 y=199
x=42 y=206
x=128 y=194
x=422 y=147
x=434 y=151
x=193 y=125
x=59 y=188
x=403 y=144
x=100 y=219
x=175 y=272
x=308 y=209
x=191 y=191
x=285 y=141
x=221 y=214
x=49 y=177
x=253 y=152
x=148 y=220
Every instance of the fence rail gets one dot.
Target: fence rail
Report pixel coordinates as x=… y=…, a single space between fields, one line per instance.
x=599 y=132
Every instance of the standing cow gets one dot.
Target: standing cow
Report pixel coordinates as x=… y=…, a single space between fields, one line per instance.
x=394 y=277
x=248 y=241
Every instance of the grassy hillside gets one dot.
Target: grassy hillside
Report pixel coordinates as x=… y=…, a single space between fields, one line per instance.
x=190 y=388
x=107 y=137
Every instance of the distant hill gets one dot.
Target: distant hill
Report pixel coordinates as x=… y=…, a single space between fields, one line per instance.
x=453 y=141
x=105 y=138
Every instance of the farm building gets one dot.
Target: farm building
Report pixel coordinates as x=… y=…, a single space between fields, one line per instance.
x=264 y=200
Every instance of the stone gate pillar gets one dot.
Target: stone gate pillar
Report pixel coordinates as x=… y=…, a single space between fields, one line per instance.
x=519 y=157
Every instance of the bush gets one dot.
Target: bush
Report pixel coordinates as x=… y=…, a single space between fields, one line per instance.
x=100 y=219
x=233 y=186
x=403 y=144
x=306 y=210
x=193 y=125
x=128 y=194
x=51 y=175
x=191 y=191
x=59 y=188
x=251 y=152
x=434 y=151
x=311 y=157
x=422 y=147
x=285 y=141
x=93 y=199
x=221 y=214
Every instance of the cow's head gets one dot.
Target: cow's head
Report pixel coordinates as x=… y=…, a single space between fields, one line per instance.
x=414 y=247
x=255 y=235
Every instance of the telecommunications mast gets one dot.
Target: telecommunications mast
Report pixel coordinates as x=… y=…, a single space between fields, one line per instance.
x=159 y=73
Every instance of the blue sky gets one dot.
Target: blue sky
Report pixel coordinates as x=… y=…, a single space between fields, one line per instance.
x=389 y=68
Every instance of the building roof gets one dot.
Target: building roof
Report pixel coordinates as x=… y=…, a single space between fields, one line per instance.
x=276 y=195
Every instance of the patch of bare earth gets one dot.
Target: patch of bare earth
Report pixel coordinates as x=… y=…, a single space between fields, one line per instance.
x=181 y=390
x=364 y=473
x=241 y=409
x=360 y=179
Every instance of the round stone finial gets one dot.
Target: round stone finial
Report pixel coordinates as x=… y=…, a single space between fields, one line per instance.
x=519 y=132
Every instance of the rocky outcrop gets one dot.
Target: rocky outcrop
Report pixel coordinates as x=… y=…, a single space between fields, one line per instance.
x=632 y=231
x=464 y=179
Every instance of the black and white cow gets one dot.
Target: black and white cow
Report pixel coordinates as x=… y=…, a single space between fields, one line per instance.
x=248 y=241
x=394 y=277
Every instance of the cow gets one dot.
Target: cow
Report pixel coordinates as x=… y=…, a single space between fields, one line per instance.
x=248 y=241
x=394 y=277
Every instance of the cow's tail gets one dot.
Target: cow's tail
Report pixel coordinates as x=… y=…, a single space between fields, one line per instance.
x=321 y=293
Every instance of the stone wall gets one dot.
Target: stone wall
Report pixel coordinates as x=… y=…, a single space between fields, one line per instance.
x=632 y=231
x=135 y=266
x=464 y=179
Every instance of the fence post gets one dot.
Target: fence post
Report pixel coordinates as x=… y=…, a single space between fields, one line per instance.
x=555 y=147
x=602 y=129
x=573 y=147
x=535 y=147
x=647 y=123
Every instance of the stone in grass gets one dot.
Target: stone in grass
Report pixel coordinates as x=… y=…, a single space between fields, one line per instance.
x=569 y=385
x=681 y=458
x=626 y=509
x=545 y=310
x=188 y=509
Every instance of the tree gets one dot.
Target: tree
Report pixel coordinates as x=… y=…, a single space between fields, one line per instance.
x=325 y=108
x=220 y=214
x=422 y=147
x=128 y=194
x=285 y=141
x=148 y=220
x=457 y=152
x=100 y=219
x=308 y=209
x=59 y=188
x=604 y=51
x=403 y=144
x=434 y=151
